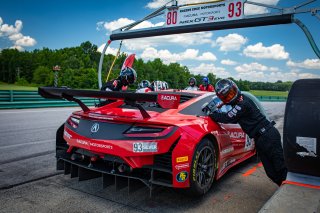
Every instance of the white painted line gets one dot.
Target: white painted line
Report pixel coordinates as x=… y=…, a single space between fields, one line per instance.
x=25 y=144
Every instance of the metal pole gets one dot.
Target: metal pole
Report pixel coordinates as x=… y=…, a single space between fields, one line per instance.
x=101 y=62
x=56 y=78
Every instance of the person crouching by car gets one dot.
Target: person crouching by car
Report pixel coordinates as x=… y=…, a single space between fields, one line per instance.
x=127 y=76
x=206 y=86
x=245 y=112
x=192 y=84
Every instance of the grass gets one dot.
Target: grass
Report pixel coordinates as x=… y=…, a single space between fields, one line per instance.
x=269 y=93
x=5 y=86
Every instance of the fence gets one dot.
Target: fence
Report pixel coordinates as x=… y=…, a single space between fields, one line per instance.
x=14 y=99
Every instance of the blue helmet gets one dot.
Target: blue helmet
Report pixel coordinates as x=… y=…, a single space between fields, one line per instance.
x=205 y=81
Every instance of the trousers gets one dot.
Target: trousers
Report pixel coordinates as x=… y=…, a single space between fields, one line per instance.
x=270 y=151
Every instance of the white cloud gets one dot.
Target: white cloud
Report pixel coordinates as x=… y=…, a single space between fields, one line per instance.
x=207 y=56
x=274 y=76
x=110 y=50
x=100 y=25
x=205 y=69
x=247 y=68
x=249 y=9
x=15 y=37
x=19 y=48
x=151 y=53
x=13 y=33
x=186 y=39
x=275 y=51
x=231 y=42
x=8 y=30
x=228 y=62
x=306 y=64
x=26 y=41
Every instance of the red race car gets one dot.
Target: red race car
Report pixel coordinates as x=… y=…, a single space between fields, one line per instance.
x=159 y=138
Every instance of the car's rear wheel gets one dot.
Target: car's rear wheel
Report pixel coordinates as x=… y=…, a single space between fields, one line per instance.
x=203 y=168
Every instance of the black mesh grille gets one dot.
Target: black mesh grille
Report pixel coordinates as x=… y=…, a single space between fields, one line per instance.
x=165 y=160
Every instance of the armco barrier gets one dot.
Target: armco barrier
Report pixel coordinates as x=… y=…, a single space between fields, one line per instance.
x=13 y=99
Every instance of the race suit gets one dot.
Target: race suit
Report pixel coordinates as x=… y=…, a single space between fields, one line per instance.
x=208 y=88
x=194 y=88
x=266 y=136
x=113 y=85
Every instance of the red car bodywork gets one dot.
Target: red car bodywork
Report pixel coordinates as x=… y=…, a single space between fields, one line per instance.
x=177 y=134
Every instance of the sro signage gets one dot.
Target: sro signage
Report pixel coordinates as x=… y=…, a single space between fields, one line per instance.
x=206 y=13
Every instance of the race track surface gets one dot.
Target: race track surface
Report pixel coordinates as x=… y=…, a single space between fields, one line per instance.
x=29 y=181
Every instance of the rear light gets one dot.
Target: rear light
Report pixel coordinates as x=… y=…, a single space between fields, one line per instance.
x=148 y=131
x=141 y=130
x=73 y=121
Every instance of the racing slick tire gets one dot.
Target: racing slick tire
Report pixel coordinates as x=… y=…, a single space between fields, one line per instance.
x=203 y=168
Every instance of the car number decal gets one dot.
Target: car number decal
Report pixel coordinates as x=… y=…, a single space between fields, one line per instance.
x=145 y=147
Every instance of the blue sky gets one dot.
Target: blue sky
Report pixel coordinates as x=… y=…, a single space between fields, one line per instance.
x=267 y=53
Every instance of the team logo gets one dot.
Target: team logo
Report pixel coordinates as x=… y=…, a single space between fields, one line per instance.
x=95 y=128
x=182 y=176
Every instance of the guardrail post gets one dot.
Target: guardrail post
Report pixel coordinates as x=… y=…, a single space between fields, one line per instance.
x=11 y=95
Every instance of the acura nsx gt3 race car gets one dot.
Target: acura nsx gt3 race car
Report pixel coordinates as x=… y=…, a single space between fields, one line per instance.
x=158 y=138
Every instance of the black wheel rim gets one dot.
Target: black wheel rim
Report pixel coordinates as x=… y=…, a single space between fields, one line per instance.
x=205 y=167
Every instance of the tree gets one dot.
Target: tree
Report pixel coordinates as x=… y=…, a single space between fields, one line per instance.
x=43 y=76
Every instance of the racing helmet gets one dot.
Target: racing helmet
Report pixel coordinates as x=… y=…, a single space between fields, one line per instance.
x=227 y=91
x=205 y=81
x=165 y=85
x=144 y=84
x=128 y=76
x=192 y=82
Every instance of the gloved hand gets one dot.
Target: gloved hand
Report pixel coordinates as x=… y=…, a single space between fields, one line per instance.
x=214 y=105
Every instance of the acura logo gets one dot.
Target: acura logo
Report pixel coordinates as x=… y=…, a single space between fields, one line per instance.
x=95 y=128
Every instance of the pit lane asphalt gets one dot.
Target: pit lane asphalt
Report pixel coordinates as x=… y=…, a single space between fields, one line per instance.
x=29 y=181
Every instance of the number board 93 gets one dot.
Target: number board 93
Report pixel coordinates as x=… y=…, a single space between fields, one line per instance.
x=205 y=13
x=145 y=147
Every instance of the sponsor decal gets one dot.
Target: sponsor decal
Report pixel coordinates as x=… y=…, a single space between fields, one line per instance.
x=227 y=150
x=95 y=128
x=249 y=145
x=182 y=166
x=168 y=97
x=65 y=133
x=206 y=13
x=182 y=176
x=310 y=144
x=228 y=163
x=145 y=147
x=169 y=101
x=182 y=159
x=87 y=143
x=236 y=135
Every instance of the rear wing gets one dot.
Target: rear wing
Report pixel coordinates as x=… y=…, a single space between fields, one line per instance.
x=168 y=100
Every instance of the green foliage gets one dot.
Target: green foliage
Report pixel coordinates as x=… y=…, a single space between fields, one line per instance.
x=43 y=76
x=79 y=67
x=22 y=82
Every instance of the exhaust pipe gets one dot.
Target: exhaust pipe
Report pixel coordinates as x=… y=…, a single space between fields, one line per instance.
x=75 y=156
x=124 y=168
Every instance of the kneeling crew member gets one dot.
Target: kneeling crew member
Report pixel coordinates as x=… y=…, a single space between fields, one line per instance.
x=255 y=124
x=127 y=76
